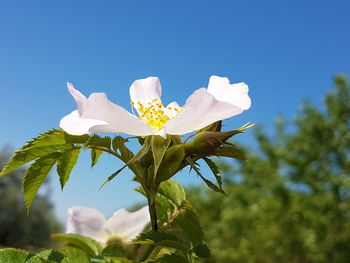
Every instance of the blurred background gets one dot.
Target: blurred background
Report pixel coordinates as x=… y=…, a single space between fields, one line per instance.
x=288 y=203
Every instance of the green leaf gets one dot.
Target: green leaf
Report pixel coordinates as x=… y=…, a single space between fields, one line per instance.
x=96 y=140
x=209 y=183
x=76 y=139
x=49 y=255
x=65 y=164
x=202 y=251
x=159 y=147
x=169 y=258
x=12 y=255
x=173 y=191
x=44 y=144
x=163 y=239
x=36 y=174
x=115 y=260
x=230 y=150
x=25 y=155
x=65 y=255
x=215 y=170
x=90 y=246
x=95 y=155
x=110 y=178
x=188 y=220
x=150 y=238
x=51 y=137
x=118 y=143
x=171 y=162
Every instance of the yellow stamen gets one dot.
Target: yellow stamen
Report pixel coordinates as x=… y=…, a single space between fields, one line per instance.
x=153 y=114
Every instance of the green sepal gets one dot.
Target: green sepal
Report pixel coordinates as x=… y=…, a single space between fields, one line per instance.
x=175 y=139
x=159 y=147
x=230 y=150
x=142 y=152
x=36 y=174
x=89 y=245
x=172 y=160
x=118 y=144
x=206 y=142
x=209 y=183
x=215 y=127
x=66 y=163
x=135 y=162
x=215 y=170
x=127 y=156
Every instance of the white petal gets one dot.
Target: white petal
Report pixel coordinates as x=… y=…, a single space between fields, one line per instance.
x=170 y=110
x=162 y=133
x=201 y=110
x=145 y=90
x=98 y=107
x=235 y=94
x=86 y=221
x=75 y=125
x=128 y=225
x=79 y=98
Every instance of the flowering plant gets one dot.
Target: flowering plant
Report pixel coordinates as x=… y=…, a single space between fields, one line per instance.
x=175 y=234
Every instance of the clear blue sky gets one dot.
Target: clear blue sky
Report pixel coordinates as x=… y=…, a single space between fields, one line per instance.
x=284 y=50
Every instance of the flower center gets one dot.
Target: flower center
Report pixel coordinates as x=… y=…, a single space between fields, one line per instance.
x=155 y=114
x=114 y=239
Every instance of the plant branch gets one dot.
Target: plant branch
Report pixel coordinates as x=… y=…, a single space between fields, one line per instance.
x=101 y=148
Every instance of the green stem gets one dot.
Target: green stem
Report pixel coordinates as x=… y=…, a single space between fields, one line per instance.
x=152 y=210
x=101 y=148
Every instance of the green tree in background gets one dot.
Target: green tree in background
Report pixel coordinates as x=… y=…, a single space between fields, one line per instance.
x=291 y=201
x=17 y=229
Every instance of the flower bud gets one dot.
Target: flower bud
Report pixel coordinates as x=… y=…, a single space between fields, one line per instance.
x=205 y=142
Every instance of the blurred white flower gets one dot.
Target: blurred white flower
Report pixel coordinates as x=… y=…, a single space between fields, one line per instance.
x=122 y=225
x=221 y=100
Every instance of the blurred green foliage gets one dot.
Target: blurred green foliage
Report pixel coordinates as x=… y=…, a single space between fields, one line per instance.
x=17 y=229
x=290 y=202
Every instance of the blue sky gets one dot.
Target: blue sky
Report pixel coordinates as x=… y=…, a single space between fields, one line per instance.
x=284 y=51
